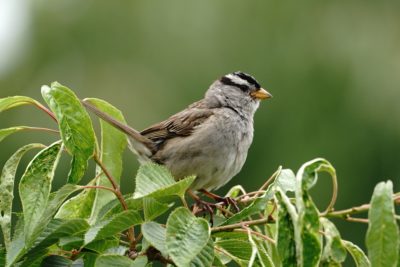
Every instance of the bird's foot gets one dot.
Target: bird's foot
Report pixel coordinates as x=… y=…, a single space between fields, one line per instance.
x=225 y=201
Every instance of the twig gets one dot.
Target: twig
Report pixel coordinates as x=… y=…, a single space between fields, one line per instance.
x=240 y=225
x=247 y=229
x=270 y=179
x=120 y=197
x=360 y=220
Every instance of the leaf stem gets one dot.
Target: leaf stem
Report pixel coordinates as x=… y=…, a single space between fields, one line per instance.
x=40 y=106
x=247 y=229
x=40 y=129
x=120 y=197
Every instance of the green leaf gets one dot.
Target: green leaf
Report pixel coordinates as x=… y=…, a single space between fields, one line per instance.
x=287 y=219
x=186 y=236
x=156 y=181
x=17 y=245
x=153 y=208
x=206 y=256
x=103 y=245
x=237 y=249
x=35 y=187
x=117 y=260
x=56 y=261
x=334 y=250
x=2 y=256
x=79 y=206
x=57 y=229
x=6 y=132
x=285 y=180
x=75 y=127
x=307 y=236
x=113 y=144
x=7 y=187
x=156 y=235
x=114 y=207
x=358 y=255
x=15 y=101
x=116 y=224
x=383 y=233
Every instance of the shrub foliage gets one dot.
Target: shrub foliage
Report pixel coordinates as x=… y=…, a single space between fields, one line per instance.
x=96 y=225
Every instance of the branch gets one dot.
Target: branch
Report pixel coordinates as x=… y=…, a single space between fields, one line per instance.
x=40 y=106
x=231 y=227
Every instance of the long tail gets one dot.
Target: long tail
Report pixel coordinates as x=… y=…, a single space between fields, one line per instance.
x=139 y=144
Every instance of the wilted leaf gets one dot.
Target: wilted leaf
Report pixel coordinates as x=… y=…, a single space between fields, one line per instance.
x=383 y=233
x=15 y=101
x=17 y=245
x=113 y=225
x=287 y=219
x=7 y=187
x=186 y=236
x=113 y=144
x=358 y=255
x=75 y=127
x=308 y=238
x=334 y=250
x=35 y=187
x=79 y=206
x=156 y=181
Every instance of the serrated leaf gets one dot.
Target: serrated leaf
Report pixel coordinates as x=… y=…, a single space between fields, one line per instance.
x=383 y=233
x=56 y=261
x=79 y=206
x=358 y=255
x=7 y=187
x=236 y=247
x=156 y=235
x=75 y=127
x=308 y=239
x=186 y=236
x=54 y=203
x=153 y=208
x=113 y=144
x=206 y=256
x=116 y=224
x=116 y=260
x=57 y=229
x=100 y=246
x=35 y=186
x=156 y=181
x=334 y=250
x=15 y=101
x=114 y=207
x=287 y=219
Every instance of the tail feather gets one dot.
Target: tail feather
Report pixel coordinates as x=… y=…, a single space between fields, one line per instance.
x=139 y=144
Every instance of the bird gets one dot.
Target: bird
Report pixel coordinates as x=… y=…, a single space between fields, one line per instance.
x=209 y=139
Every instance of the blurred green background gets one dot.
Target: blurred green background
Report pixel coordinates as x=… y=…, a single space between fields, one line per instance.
x=332 y=66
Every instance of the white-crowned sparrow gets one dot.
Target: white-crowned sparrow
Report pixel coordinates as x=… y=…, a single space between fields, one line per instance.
x=209 y=139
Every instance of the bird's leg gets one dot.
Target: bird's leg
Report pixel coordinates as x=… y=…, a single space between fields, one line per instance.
x=203 y=205
x=226 y=200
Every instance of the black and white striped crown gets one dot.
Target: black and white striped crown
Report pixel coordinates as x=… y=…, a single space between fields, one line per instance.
x=241 y=80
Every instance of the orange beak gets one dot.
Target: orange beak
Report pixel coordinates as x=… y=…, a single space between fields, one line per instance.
x=261 y=94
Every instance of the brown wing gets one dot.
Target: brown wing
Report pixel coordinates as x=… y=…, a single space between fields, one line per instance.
x=180 y=124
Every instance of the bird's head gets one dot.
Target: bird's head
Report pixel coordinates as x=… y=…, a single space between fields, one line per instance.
x=238 y=90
